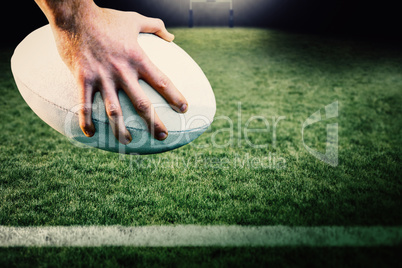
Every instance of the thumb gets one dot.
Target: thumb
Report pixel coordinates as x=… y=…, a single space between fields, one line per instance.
x=156 y=26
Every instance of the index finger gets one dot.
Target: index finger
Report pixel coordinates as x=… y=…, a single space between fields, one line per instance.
x=161 y=83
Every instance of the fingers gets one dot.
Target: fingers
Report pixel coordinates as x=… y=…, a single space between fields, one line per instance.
x=114 y=113
x=161 y=83
x=85 y=112
x=144 y=107
x=156 y=26
x=113 y=109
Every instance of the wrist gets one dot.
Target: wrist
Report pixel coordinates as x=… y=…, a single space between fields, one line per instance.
x=68 y=15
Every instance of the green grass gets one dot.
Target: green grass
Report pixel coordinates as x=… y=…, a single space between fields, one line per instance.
x=201 y=257
x=45 y=180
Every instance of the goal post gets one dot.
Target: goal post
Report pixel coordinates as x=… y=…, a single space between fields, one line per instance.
x=191 y=14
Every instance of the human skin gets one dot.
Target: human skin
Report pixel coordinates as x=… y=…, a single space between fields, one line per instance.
x=101 y=50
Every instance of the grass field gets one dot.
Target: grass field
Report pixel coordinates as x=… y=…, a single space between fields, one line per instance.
x=228 y=176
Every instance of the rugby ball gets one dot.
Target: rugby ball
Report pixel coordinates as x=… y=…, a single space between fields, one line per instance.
x=49 y=88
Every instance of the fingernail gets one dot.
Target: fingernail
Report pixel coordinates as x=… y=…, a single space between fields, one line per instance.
x=128 y=138
x=183 y=108
x=161 y=136
x=89 y=133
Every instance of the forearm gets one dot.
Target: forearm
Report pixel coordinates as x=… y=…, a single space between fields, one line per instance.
x=67 y=14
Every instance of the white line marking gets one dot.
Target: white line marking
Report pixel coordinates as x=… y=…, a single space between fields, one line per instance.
x=198 y=236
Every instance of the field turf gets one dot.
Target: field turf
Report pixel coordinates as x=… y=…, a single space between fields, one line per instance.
x=231 y=174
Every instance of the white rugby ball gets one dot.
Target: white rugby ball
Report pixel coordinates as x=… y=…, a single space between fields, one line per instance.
x=49 y=88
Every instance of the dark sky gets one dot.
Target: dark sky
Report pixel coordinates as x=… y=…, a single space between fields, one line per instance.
x=352 y=17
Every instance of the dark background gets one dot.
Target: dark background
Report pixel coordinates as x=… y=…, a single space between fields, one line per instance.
x=374 y=20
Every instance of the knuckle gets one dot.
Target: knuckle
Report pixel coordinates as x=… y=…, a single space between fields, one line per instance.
x=113 y=110
x=87 y=78
x=142 y=106
x=85 y=110
x=163 y=83
x=159 y=23
x=136 y=55
x=117 y=67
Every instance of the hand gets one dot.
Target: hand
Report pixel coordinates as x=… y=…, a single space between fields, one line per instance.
x=100 y=47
